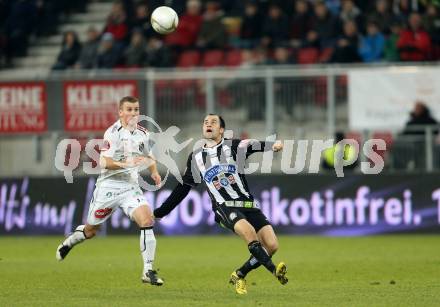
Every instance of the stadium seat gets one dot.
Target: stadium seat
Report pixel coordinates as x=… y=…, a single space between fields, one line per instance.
x=233 y=58
x=212 y=58
x=384 y=135
x=161 y=84
x=325 y=55
x=357 y=136
x=388 y=138
x=308 y=56
x=189 y=59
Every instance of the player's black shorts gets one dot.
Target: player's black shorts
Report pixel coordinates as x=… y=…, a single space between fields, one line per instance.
x=228 y=216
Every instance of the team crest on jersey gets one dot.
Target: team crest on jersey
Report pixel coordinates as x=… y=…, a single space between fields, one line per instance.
x=218 y=169
x=232 y=216
x=224 y=182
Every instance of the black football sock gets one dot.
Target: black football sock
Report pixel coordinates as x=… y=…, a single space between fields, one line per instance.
x=261 y=255
x=251 y=264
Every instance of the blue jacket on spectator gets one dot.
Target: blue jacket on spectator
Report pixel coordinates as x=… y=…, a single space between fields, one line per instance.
x=372 y=47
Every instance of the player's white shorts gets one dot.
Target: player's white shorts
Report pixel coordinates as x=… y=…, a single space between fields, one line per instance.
x=109 y=195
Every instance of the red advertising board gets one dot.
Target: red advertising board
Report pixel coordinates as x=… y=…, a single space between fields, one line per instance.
x=93 y=105
x=23 y=107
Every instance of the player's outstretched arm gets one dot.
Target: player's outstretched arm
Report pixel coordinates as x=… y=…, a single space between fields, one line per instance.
x=178 y=194
x=252 y=146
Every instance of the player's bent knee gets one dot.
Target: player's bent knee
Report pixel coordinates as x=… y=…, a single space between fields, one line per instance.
x=272 y=247
x=247 y=233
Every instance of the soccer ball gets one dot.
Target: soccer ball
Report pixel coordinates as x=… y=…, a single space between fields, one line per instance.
x=164 y=20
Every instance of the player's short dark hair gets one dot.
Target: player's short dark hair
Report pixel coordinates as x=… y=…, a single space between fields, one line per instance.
x=130 y=99
x=222 y=121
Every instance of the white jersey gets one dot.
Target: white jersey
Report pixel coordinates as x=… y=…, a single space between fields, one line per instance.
x=121 y=144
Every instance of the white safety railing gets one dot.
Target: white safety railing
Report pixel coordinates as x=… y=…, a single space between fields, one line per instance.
x=293 y=101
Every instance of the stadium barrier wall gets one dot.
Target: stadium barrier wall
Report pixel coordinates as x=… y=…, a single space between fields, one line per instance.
x=355 y=205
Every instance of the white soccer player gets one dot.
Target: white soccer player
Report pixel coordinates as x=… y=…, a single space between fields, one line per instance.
x=125 y=150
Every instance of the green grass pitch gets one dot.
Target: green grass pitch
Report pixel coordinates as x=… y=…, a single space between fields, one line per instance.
x=368 y=271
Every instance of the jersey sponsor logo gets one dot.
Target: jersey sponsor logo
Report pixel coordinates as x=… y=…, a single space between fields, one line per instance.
x=102 y=213
x=218 y=169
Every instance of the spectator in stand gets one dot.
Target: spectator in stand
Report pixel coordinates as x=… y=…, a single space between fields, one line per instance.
x=275 y=28
x=142 y=20
x=251 y=27
x=108 y=54
x=89 y=50
x=365 y=6
x=117 y=25
x=158 y=54
x=413 y=138
x=347 y=45
x=301 y=23
x=324 y=24
x=260 y=55
x=403 y=8
x=334 y=6
x=431 y=23
x=382 y=16
x=351 y=12
x=135 y=53
x=212 y=33
x=281 y=56
x=391 y=52
x=233 y=7
x=189 y=27
x=420 y=116
x=372 y=45
x=414 y=42
x=247 y=58
x=18 y=26
x=70 y=51
x=47 y=16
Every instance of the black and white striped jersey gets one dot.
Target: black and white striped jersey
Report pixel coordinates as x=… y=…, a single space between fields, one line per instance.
x=220 y=169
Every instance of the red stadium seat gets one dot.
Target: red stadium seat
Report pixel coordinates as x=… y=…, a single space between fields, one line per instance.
x=388 y=138
x=213 y=58
x=189 y=59
x=233 y=58
x=308 y=56
x=161 y=84
x=325 y=55
x=355 y=136
x=384 y=135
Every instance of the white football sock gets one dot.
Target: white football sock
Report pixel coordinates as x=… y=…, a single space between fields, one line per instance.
x=76 y=237
x=148 y=247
